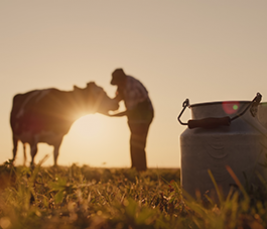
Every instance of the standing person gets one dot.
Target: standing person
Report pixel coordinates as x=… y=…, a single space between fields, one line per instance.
x=139 y=112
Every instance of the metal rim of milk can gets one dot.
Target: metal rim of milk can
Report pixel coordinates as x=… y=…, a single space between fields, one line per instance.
x=213 y=122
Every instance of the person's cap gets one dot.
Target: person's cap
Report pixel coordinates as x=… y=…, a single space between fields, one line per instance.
x=117 y=76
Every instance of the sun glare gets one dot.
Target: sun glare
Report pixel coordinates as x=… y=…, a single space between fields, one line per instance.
x=89 y=125
x=96 y=140
x=230 y=107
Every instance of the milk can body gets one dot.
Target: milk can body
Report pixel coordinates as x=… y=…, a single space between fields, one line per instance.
x=241 y=146
x=262 y=114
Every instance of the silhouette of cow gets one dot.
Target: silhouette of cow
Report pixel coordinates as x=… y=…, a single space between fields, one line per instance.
x=47 y=115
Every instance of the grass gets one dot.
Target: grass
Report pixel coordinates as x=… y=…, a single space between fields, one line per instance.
x=84 y=197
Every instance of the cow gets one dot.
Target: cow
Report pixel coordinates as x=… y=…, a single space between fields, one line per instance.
x=47 y=115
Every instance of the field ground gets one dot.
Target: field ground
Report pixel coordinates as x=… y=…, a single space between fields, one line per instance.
x=84 y=197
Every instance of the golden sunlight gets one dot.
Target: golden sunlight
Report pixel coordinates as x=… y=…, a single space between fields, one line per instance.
x=88 y=126
x=96 y=140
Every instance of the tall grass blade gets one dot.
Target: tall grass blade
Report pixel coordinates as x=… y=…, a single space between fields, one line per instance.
x=246 y=201
x=216 y=187
x=240 y=186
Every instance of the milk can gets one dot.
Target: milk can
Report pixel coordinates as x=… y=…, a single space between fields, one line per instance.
x=222 y=134
x=262 y=114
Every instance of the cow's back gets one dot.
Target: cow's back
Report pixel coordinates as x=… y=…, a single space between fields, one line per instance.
x=23 y=105
x=18 y=106
x=41 y=110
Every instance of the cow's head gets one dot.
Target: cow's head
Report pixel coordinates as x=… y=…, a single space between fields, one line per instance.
x=94 y=99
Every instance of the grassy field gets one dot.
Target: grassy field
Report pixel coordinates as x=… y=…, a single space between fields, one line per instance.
x=84 y=197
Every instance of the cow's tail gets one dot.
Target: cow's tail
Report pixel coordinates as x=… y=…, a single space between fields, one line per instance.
x=14 y=110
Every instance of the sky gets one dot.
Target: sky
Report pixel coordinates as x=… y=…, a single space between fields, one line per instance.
x=208 y=50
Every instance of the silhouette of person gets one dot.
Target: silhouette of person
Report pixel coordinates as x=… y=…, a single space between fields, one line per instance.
x=139 y=112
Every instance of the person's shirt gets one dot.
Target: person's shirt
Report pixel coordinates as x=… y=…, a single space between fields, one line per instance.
x=133 y=93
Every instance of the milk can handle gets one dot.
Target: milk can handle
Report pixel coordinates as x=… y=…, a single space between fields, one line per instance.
x=185 y=105
x=254 y=104
x=215 y=122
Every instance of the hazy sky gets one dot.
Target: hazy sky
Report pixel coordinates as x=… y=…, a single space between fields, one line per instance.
x=204 y=50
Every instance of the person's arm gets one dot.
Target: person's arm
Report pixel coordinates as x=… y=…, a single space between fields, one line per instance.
x=123 y=113
x=118 y=96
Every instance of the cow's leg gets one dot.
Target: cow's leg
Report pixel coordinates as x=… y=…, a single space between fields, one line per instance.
x=56 y=150
x=24 y=152
x=15 y=147
x=33 y=152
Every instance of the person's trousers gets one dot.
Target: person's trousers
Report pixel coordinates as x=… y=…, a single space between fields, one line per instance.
x=139 y=131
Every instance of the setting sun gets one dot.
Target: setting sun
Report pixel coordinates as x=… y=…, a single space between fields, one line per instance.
x=89 y=126
x=97 y=139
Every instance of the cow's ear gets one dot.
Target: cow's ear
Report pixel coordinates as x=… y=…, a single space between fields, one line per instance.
x=75 y=88
x=91 y=84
